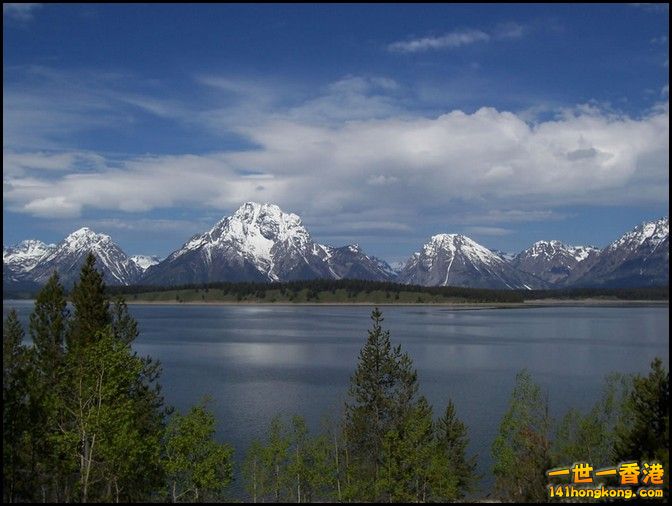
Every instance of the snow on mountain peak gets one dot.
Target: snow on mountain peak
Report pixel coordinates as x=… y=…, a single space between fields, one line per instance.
x=458 y=242
x=652 y=232
x=26 y=254
x=144 y=262
x=85 y=234
x=553 y=248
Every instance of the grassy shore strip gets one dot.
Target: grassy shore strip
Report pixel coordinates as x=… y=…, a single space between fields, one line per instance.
x=356 y=292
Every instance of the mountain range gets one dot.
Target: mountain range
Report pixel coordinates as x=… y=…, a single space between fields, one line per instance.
x=262 y=243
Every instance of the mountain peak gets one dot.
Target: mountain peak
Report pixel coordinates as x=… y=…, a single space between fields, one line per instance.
x=85 y=233
x=650 y=232
x=457 y=260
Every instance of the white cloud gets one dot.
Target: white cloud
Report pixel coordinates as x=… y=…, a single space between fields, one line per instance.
x=450 y=40
x=458 y=38
x=352 y=152
x=20 y=11
x=488 y=158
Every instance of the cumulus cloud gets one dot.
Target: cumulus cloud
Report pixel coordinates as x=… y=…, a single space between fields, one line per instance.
x=423 y=162
x=351 y=152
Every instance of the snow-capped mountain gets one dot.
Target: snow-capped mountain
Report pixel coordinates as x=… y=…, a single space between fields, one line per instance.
x=260 y=242
x=68 y=257
x=457 y=260
x=25 y=256
x=640 y=257
x=144 y=262
x=554 y=261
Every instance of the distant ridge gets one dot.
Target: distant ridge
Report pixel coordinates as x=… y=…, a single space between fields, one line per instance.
x=262 y=243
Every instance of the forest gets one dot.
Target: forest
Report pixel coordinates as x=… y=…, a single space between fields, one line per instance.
x=85 y=420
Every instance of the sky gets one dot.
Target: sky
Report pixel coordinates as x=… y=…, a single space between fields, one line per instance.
x=378 y=124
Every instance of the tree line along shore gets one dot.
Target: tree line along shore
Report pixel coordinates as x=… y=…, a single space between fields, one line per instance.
x=352 y=291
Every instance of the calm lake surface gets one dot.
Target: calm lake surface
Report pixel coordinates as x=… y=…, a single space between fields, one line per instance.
x=258 y=361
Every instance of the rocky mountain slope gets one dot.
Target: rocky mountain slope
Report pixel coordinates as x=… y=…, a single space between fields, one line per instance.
x=457 y=260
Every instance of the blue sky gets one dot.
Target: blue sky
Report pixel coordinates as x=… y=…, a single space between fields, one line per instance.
x=377 y=124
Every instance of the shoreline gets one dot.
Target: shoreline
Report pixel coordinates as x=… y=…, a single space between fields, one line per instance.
x=540 y=303
x=457 y=305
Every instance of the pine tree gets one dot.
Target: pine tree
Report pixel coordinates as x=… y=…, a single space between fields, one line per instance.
x=382 y=395
x=12 y=348
x=14 y=410
x=452 y=440
x=124 y=326
x=405 y=474
x=643 y=433
x=91 y=305
x=48 y=326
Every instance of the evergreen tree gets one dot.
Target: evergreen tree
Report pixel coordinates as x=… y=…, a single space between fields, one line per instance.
x=405 y=474
x=452 y=440
x=521 y=450
x=48 y=326
x=643 y=433
x=14 y=410
x=13 y=350
x=91 y=305
x=124 y=326
x=382 y=396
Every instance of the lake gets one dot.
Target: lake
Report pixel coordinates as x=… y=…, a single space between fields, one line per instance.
x=257 y=361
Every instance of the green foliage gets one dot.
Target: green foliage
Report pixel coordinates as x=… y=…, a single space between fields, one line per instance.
x=197 y=467
x=591 y=437
x=102 y=429
x=292 y=465
x=393 y=450
x=381 y=395
x=48 y=326
x=15 y=410
x=91 y=305
x=452 y=439
x=12 y=349
x=124 y=326
x=328 y=290
x=643 y=433
x=254 y=473
x=521 y=450
x=86 y=420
